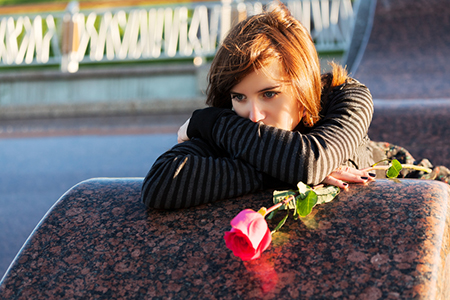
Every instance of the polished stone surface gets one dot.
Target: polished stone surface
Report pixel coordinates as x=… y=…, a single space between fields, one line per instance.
x=406 y=67
x=422 y=127
x=376 y=242
x=385 y=240
x=35 y=171
x=407 y=53
x=41 y=159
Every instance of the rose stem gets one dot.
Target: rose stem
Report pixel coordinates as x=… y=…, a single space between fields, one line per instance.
x=270 y=209
x=405 y=166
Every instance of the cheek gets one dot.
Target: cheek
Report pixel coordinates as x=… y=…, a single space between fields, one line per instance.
x=239 y=109
x=291 y=115
x=296 y=110
x=280 y=111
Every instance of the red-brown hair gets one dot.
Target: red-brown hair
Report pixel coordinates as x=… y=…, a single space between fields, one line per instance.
x=253 y=43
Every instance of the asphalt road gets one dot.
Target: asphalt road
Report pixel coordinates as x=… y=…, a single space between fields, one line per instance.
x=42 y=159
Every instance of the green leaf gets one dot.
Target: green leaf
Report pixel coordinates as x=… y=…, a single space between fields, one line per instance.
x=279 y=196
x=305 y=206
x=326 y=194
x=272 y=214
x=280 y=224
x=394 y=169
x=303 y=188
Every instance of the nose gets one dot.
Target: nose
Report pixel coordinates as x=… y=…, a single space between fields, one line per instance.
x=256 y=112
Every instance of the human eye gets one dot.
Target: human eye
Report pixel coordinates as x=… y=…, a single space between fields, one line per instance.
x=270 y=94
x=237 y=97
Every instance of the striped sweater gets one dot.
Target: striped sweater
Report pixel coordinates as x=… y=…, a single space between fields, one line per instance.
x=229 y=156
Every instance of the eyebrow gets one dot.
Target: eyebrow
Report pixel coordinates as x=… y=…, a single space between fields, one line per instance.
x=260 y=91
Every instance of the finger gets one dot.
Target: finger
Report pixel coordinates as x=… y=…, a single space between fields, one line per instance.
x=353 y=175
x=361 y=173
x=349 y=177
x=370 y=173
x=330 y=180
x=350 y=170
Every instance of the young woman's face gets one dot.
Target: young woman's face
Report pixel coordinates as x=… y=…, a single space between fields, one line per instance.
x=261 y=98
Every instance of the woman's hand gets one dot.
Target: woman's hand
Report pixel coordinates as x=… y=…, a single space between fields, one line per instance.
x=343 y=174
x=182 y=132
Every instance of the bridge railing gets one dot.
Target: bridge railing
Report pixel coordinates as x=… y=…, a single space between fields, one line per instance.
x=191 y=30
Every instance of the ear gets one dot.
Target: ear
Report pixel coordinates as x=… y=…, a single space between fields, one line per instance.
x=302 y=113
x=307 y=119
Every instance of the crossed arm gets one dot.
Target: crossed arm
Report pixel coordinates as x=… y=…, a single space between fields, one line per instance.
x=225 y=155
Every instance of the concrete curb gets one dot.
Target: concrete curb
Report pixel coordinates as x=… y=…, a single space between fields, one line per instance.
x=102 y=91
x=102 y=109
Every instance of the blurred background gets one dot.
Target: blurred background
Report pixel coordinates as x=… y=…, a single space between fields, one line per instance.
x=99 y=88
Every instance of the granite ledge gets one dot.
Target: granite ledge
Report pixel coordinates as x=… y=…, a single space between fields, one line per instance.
x=385 y=240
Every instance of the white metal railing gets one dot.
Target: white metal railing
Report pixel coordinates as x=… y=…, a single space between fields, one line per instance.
x=150 y=33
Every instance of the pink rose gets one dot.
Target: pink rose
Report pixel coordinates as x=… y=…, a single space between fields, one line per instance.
x=249 y=235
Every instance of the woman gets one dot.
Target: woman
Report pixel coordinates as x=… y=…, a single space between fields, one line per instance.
x=273 y=121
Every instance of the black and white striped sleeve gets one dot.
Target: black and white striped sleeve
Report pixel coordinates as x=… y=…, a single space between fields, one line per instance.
x=193 y=173
x=229 y=156
x=291 y=156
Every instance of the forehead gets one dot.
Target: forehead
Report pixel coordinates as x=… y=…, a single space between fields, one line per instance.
x=273 y=68
x=270 y=75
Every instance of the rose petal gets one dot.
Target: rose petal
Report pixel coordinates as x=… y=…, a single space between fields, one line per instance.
x=249 y=235
x=239 y=244
x=251 y=224
x=257 y=230
x=265 y=242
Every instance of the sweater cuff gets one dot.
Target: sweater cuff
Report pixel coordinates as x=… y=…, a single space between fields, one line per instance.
x=203 y=120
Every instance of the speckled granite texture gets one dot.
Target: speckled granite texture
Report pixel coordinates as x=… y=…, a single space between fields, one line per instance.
x=407 y=59
x=386 y=240
x=407 y=53
x=422 y=127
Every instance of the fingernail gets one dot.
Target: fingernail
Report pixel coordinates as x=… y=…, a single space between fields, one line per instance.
x=345 y=184
x=364 y=177
x=372 y=174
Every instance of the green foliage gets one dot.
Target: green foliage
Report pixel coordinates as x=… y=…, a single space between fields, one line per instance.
x=280 y=196
x=280 y=224
x=305 y=200
x=306 y=197
x=306 y=204
x=394 y=169
x=326 y=194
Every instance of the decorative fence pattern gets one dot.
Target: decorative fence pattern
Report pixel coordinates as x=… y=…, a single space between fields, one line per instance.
x=150 y=33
